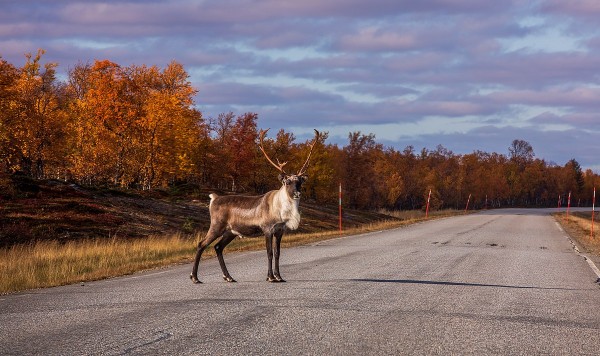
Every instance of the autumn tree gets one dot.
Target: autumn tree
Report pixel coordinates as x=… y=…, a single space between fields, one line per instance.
x=591 y=181
x=494 y=175
x=411 y=169
x=133 y=125
x=326 y=171
x=576 y=172
x=33 y=123
x=9 y=151
x=324 y=179
x=170 y=130
x=360 y=176
x=389 y=182
x=105 y=128
x=521 y=152
x=572 y=179
x=450 y=178
x=221 y=127
x=237 y=147
x=137 y=127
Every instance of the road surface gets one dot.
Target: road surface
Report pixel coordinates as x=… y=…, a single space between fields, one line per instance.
x=498 y=282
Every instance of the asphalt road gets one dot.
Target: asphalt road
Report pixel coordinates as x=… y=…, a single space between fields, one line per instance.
x=499 y=282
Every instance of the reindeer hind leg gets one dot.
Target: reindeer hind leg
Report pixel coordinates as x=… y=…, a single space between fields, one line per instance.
x=211 y=236
x=228 y=236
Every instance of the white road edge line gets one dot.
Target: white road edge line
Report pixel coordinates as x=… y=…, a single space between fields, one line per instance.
x=593 y=267
x=558 y=226
x=589 y=261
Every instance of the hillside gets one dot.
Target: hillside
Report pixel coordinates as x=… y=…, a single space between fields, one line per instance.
x=32 y=210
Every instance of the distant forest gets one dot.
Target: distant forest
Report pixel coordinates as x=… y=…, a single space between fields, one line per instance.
x=137 y=127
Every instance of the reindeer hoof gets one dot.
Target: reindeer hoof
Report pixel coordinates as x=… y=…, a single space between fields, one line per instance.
x=229 y=279
x=195 y=279
x=280 y=280
x=274 y=280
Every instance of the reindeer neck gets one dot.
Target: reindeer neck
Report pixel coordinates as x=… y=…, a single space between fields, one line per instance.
x=288 y=208
x=283 y=196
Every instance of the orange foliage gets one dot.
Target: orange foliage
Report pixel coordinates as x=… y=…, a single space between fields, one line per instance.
x=137 y=127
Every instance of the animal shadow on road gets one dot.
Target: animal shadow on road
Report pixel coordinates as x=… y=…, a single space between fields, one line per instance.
x=444 y=283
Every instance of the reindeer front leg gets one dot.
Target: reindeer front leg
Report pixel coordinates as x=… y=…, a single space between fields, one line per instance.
x=278 y=236
x=269 y=243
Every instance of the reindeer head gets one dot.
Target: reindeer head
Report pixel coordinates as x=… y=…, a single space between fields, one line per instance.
x=291 y=182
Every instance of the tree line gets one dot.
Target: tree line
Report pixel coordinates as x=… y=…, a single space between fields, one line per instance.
x=138 y=127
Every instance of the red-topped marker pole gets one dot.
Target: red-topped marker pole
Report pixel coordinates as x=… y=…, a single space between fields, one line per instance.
x=340 y=209
x=593 y=210
x=558 y=204
x=468 y=200
x=568 y=205
x=427 y=209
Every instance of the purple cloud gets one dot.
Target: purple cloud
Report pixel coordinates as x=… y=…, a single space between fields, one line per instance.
x=500 y=69
x=578 y=8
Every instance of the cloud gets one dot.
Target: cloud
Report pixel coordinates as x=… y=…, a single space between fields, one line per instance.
x=469 y=74
x=244 y=94
x=578 y=8
x=587 y=121
x=372 y=38
x=581 y=97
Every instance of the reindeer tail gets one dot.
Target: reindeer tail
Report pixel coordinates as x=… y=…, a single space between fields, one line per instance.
x=212 y=197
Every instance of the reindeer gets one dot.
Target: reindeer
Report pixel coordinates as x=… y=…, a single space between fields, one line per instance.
x=272 y=213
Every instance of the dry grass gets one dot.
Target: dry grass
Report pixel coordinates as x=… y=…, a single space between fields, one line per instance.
x=52 y=263
x=579 y=226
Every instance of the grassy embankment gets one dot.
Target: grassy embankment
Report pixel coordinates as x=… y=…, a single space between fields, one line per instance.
x=579 y=225
x=52 y=263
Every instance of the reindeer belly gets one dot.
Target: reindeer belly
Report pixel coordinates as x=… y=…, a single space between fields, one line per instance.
x=246 y=231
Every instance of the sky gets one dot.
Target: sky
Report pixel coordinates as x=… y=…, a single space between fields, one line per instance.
x=466 y=74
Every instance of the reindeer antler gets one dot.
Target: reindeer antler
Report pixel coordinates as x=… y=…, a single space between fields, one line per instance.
x=303 y=169
x=279 y=165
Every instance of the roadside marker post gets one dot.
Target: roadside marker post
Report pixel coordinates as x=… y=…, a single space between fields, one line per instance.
x=340 y=209
x=593 y=211
x=427 y=209
x=568 y=205
x=468 y=200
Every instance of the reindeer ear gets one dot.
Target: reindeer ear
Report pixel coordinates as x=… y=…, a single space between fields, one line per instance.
x=303 y=178
x=282 y=178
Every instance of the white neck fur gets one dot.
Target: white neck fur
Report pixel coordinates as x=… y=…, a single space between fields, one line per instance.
x=288 y=209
